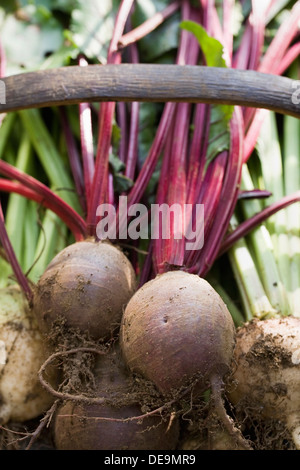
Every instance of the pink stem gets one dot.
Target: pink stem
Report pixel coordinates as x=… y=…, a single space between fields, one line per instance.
x=122 y=122
x=173 y=249
x=177 y=184
x=257 y=22
x=132 y=155
x=111 y=193
x=228 y=6
x=158 y=245
x=43 y=193
x=74 y=158
x=248 y=225
x=209 y=196
x=149 y=165
x=241 y=57
x=285 y=34
x=147 y=266
x=198 y=152
x=100 y=181
x=148 y=26
x=2 y=71
x=276 y=60
x=291 y=55
x=86 y=141
x=259 y=114
x=229 y=195
x=87 y=147
x=2 y=60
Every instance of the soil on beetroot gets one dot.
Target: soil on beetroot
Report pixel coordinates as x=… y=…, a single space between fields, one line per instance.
x=197 y=423
x=200 y=428
x=77 y=378
x=266 y=356
x=79 y=279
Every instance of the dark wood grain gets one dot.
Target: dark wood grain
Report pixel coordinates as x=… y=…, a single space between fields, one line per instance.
x=148 y=82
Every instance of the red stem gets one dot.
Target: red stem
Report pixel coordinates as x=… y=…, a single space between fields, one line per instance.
x=257 y=21
x=174 y=248
x=74 y=158
x=147 y=266
x=100 y=181
x=276 y=59
x=86 y=141
x=132 y=155
x=248 y=225
x=291 y=55
x=259 y=114
x=254 y=194
x=257 y=24
x=241 y=57
x=198 y=152
x=87 y=146
x=149 y=25
x=2 y=60
x=158 y=245
x=284 y=36
x=46 y=196
x=121 y=112
x=228 y=198
x=209 y=196
x=149 y=165
x=228 y=6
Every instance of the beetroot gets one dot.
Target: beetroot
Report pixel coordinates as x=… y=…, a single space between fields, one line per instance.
x=87 y=285
x=177 y=332
x=109 y=425
x=177 y=328
x=265 y=383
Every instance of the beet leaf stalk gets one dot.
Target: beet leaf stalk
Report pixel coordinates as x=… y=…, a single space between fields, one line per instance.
x=100 y=183
x=213 y=176
x=169 y=249
x=12 y=259
x=272 y=248
x=265 y=264
x=280 y=54
x=30 y=187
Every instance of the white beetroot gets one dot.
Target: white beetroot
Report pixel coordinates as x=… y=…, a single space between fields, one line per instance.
x=177 y=332
x=265 y=384
x=87 y=285
x=22 y=353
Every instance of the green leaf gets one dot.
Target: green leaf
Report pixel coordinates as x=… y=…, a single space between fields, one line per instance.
x=116 y=136
x=57 y=172
x=219 y=136
x=29 y=40
x=148 y=119
x=61 y=57
x=211 y=47
x=122 y=183
x=158 y=44
x=9 y=5
x=116 y=164
x=91 y=25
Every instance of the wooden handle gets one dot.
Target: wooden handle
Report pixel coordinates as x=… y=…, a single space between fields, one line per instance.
x=149 y=82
